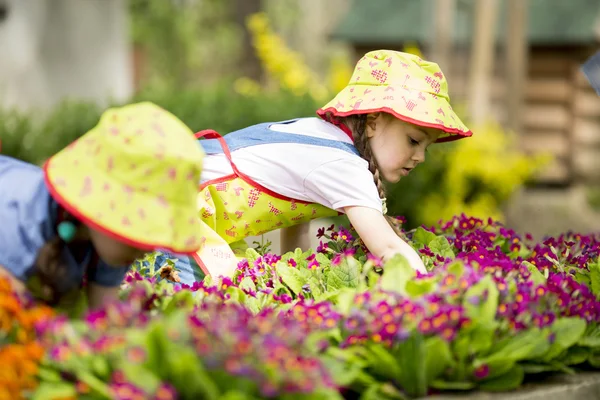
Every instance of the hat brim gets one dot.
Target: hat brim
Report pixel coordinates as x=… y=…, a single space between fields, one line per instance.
x=413 y=106
x=134 y=218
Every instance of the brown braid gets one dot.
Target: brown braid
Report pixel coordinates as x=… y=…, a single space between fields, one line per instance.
x=50 y=271
x=358 y=125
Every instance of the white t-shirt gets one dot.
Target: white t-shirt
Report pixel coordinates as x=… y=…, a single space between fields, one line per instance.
x=332 y=177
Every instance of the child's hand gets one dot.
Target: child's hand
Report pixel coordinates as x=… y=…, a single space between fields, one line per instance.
x=380 y=238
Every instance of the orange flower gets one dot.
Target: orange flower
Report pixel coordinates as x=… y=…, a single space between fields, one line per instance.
x=20 y=359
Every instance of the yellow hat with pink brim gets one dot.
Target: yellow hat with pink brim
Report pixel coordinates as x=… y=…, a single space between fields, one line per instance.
x=404 y=85
x=133 y=177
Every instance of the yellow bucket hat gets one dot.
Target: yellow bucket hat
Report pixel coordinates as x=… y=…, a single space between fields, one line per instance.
x=402 y=84
x=134 y=177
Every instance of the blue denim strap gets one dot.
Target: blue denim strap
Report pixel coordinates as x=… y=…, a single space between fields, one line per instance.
x=261 y=134
x=591 y=70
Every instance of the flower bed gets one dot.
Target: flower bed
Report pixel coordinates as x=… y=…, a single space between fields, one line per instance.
x=335 y=323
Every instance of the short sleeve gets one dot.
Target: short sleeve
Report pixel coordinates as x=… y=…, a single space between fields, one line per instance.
x=342 y=183
x=24 y=212
x=106 y=275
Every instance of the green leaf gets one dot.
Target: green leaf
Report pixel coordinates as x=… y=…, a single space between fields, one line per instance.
x=441 y=246
x=594 y=359
x=595 y=278
x=382 y=362
x=252 y=304
x=344 y=300
x=100 y=367
x=396 y=273
x=512 y=379
x=525 y=345
x=54 y=390
x=382 y=391
x=411 y=355
x=95 y=384
x=236 y=295
x=140 y=376
x=183 y=299
x=290 y=276
x=456 y=268
x=575 y=355
x=422 y=237
x=342 y=372
x=247 y=283
x=452 y=385
x=46 y=374
x=584 y=279
x=344 y=275
x=373 y=278
x=235 y=395
x=536 y=276
x=537 y=368
x=187 y=374
x=567 y=331
x=420 y=287
x=482 y=338
x=591 y=338
x=438 y=357
x=481 y=302
x=252 y=255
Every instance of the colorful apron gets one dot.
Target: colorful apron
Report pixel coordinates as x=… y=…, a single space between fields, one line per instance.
x=235 y=207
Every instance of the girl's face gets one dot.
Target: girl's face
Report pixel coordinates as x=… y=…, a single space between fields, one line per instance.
x=112 y=251
x=397 y=146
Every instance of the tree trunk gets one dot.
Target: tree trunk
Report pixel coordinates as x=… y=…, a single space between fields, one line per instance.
x=441 y=46
x=250 y=65
x=516 y=50
x=482 y=59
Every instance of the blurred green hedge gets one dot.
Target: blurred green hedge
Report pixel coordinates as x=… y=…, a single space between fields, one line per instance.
x=26 y=137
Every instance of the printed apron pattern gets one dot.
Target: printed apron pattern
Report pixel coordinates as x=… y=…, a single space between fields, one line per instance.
x=235 y=207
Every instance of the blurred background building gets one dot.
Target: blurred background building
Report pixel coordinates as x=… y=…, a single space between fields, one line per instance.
x=512 y=65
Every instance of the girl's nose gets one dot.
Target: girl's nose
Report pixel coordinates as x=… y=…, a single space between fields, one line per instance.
x=419 y=156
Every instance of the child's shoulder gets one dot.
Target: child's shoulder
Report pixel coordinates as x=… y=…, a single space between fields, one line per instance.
x=24 y=212
x=20 y=180
x=12 y=166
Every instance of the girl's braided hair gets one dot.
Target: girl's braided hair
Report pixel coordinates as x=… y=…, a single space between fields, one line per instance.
x=358 y=124
x=51 y=271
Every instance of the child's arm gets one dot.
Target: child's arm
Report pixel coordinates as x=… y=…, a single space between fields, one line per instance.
x=104 y=282
x=379 y=237
x=99 y=295
x=294 y=237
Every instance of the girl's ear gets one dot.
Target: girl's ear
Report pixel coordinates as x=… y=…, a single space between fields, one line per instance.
x=372 y=120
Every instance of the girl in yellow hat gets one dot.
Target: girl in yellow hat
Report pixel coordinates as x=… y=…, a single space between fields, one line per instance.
x=282 y=174
x=127 y=187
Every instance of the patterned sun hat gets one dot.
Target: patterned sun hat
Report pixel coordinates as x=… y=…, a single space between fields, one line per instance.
x=134 y=177
x=404 y=85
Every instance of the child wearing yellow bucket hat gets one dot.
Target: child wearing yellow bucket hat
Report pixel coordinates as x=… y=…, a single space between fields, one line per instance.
x=281 y=174
x=126 y=187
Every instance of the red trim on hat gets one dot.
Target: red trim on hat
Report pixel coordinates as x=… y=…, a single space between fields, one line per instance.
x=75 y=212
x=454 y=132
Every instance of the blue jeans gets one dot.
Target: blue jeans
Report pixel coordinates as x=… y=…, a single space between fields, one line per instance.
x=189 y=271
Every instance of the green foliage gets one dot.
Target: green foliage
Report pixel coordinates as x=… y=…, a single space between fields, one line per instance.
x=217 y=107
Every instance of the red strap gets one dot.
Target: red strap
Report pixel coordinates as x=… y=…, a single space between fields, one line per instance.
x=207 y=134
x=212 y=134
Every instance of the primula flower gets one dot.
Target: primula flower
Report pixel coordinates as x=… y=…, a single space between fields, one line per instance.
x=312 y=262
x=377 y=261
x=344 y=235
x=322 y=247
